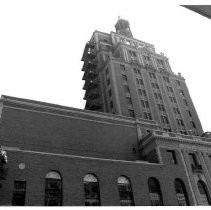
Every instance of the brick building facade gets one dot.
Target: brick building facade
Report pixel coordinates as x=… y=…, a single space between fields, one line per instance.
x=111 y=153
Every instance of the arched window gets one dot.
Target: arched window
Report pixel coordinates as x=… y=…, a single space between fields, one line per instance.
x=92 y=190
x=203 y=193
x=125 y=191
x=53 y=189
x=181 y=193
x=155 y=192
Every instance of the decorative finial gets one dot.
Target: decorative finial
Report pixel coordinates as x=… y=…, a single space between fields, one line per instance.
x=118 y=17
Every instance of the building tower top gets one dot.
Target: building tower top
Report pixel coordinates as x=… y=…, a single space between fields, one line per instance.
x=123 y=27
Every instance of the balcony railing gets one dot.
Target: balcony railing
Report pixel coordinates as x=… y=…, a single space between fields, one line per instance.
x=92 y=74
x=89 y=64
x=89 y=51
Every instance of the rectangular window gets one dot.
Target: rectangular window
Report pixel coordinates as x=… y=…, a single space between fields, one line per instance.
x=159 y=96
x=180 y=122
x=164 y=119
x=141 y=82
x=176 y=110
x=189 y=113
x=152 y=75
x=182 y=93
x=107 y=71
x=142 y=92
x=147 y=58
x=161 y=107
x=172 y=156
x=160 y=63
x=178 y=82
x=133 y=55
x=122 y=67
x=137 y=71
x=145 y=104
x=156 y=85
x=185 y=102
x=131 y=113
x=19 y=193
x=193 y=159
x=170 y=89
x=111 y=104
x=109 y=93
x=147 y=115
x=124 y=77
x=172 y=99
x=108 y=81
x=193 y=124
x=166 y=79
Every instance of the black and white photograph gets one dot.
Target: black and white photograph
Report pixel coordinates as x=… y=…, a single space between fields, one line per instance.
x=105 y=103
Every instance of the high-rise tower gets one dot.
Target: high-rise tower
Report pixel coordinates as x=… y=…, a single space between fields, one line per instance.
x=126 y=76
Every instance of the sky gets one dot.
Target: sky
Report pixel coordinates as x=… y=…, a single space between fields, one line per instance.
x=42 y=42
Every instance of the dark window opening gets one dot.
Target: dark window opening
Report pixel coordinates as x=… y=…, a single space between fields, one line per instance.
x=91 y=190
x=111 y=105
x=147 y=115
x=145 y=104
x=178 y=82
x=53 y=189
x=193 y=124
x=122 y=67
x=109 y=93
x=205 y=198
x=152 y=75
x=172 y=156
x=19 y=193
x=131 y=113
x=181 y=193
x=189 y=113
x=124 y=77
x=155 y=192
x=125 y=191
x=108 y=82
x=166 y=79
x=161 y=107
x=164 y=119
x=193 y=159
x=185 y=102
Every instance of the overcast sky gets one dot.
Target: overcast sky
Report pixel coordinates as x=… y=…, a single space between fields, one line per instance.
x=41 y=45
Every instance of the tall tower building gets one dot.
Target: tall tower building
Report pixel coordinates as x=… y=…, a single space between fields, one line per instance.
x=126 y=76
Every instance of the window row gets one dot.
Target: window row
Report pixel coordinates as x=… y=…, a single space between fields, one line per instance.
x=139 y=81
x=161 y=107
x=155 y=85
x=166 y=79
x=180 y=122
x=169 y=89
x=142 y=92
x=54 y=194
